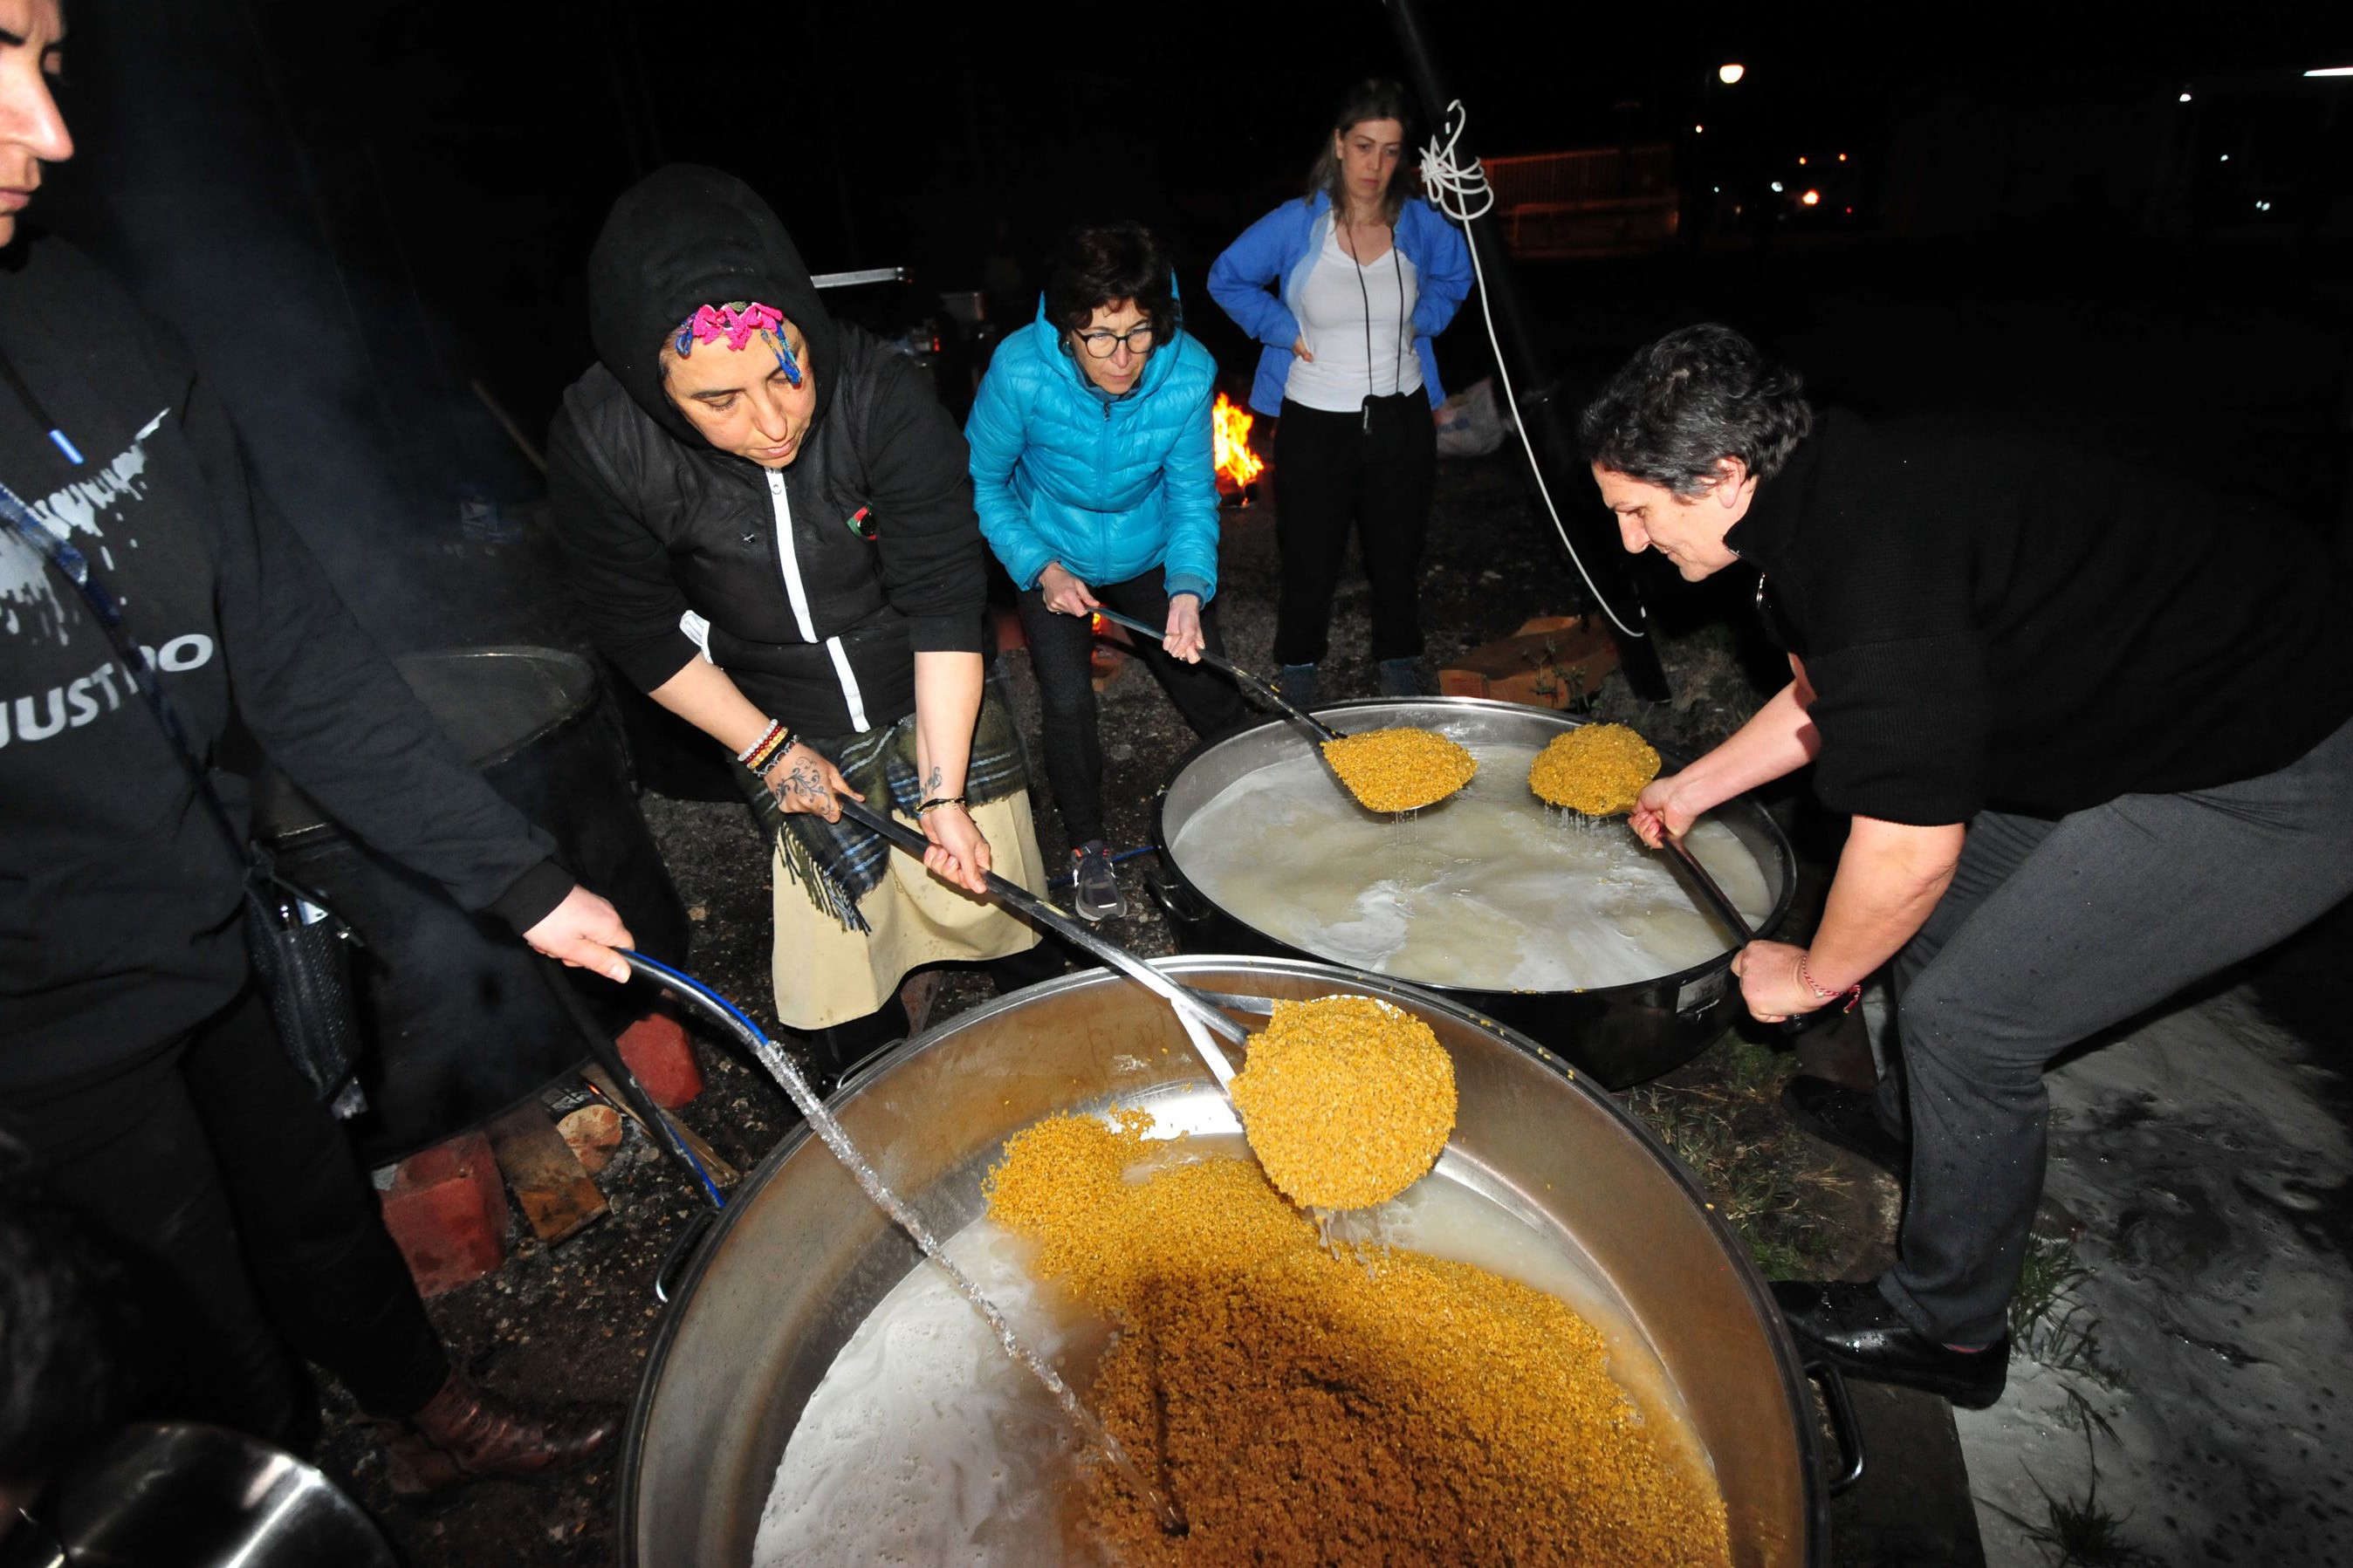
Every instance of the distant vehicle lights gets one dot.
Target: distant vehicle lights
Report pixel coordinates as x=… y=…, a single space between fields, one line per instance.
x=1728 y=74
x=1811 y=198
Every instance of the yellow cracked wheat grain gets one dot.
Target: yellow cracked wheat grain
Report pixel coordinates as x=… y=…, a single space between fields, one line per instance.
x=1399 y=770
x=1598 y=769
x=1347 y=1100
x=1307 y=1407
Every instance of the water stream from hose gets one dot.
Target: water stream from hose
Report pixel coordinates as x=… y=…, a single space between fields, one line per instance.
x=780 y=1067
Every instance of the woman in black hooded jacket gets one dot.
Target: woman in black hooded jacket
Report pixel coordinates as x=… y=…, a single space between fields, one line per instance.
x=768 y=519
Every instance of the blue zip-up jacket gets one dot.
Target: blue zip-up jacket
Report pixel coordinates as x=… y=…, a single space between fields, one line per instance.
x=1257 y=277
x=1110 y=486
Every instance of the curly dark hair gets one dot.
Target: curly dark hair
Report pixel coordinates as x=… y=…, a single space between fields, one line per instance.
x=1690 y=400
x=1101 y=264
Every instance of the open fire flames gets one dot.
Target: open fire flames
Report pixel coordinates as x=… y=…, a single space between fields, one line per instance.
x=1229 y=428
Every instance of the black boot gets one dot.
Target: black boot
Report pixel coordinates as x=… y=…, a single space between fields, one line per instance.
x=1855 y=1328
x=1848 y=1118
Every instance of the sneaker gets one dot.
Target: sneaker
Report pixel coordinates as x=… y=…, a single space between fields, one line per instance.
x=1096 y=893
x=1401 y=678
x=1298 y=685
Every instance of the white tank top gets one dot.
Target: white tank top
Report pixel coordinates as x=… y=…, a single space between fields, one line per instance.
x=1343 y=306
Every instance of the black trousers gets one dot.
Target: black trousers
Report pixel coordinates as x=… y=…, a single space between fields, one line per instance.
x=248 y=1226
x=1374 y=471
x=1061 y=652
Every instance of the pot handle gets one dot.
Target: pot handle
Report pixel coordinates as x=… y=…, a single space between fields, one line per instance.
x=1845 y=1430
x=1178 y=903
x=674 y=1261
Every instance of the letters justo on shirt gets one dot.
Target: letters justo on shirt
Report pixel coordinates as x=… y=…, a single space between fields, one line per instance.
x=41 y=714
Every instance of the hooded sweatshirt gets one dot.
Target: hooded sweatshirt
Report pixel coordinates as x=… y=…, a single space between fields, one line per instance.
x=1109 y=487
x=813 y=585
x=120 y=896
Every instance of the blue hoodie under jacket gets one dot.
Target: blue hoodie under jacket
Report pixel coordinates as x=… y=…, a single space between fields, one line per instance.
x=1109 y=487
x=1280 y=250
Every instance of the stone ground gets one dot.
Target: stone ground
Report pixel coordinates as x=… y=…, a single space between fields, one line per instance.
x=2195 y=1335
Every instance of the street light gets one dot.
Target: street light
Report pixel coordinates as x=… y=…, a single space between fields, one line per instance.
x=1728 y=74
x=2325 y=71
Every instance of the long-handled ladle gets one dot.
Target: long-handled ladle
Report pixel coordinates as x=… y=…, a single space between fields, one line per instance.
x=1194 y=1010
x=1412 y=1145
x=1325 y=734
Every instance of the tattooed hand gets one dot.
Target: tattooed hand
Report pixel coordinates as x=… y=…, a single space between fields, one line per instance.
x=801 y=780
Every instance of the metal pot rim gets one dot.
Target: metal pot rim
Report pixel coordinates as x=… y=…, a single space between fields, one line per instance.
x=1787 y=858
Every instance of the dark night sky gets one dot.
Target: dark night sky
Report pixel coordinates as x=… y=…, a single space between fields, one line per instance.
x=491 y=137
x=433 y=175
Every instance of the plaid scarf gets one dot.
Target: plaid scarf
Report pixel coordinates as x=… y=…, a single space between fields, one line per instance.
x=838 y=863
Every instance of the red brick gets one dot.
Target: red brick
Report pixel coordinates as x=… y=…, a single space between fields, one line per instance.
x=447 y=1211
x=659 y=1052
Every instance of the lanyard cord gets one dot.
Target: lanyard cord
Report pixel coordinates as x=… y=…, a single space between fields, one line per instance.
x=1397 y=372
x=40 y=415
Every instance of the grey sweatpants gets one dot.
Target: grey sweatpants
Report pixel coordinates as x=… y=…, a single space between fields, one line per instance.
x=2050 y=932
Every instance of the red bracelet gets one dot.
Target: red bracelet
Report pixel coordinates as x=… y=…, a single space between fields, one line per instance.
x=1854 y=993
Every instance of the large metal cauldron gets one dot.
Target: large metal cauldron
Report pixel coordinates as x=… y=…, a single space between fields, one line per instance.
x=461 y=1023
x=801 y=1257
x=1621 y=1034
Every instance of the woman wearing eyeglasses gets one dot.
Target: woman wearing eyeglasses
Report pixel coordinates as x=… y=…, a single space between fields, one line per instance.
x=1346 y=287
x=1093 y=475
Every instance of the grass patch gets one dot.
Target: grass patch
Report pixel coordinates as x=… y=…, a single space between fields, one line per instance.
x=2080 y=1530
x=1721 y=1115
x=2048 y=1320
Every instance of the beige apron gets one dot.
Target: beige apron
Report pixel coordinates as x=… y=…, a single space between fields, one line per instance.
x=826 y=975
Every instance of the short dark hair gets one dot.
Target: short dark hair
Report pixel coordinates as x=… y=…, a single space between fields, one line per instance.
x=1101 y=264
x=60 y=1387
x=1696 y=396
x=1376 y=98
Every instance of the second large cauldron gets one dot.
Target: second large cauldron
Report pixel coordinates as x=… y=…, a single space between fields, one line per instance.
x=1621 y=1034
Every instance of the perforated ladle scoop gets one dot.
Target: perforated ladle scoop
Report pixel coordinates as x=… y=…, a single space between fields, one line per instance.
x=1338 y=750
x=1606 y=769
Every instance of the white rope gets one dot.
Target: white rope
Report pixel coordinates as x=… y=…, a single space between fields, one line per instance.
x=1454 y=189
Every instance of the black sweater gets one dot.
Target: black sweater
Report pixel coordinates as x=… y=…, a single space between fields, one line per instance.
x=676 y=549
x=120 y=897
x=1991 y=619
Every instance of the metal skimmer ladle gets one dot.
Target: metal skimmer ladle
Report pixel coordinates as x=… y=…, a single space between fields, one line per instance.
x=1710 y=889
x=1195 y=1011
x=1323 y=732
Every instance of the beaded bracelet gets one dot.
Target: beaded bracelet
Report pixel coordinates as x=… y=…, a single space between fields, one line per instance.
x=1854 y=993
x=760 y=754
x=938 y=801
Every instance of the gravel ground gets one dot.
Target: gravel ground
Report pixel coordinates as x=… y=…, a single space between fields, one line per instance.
x=575 y=1321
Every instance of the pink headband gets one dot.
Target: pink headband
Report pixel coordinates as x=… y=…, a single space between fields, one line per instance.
x=737 y=326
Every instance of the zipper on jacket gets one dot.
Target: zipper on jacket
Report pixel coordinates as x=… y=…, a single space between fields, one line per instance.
x=788 y=562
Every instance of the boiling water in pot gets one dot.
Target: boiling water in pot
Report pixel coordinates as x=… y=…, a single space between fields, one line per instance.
x=923 y=1444
x=1492 y=890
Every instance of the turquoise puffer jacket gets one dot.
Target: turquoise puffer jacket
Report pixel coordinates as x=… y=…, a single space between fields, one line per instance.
x=1108 y=487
